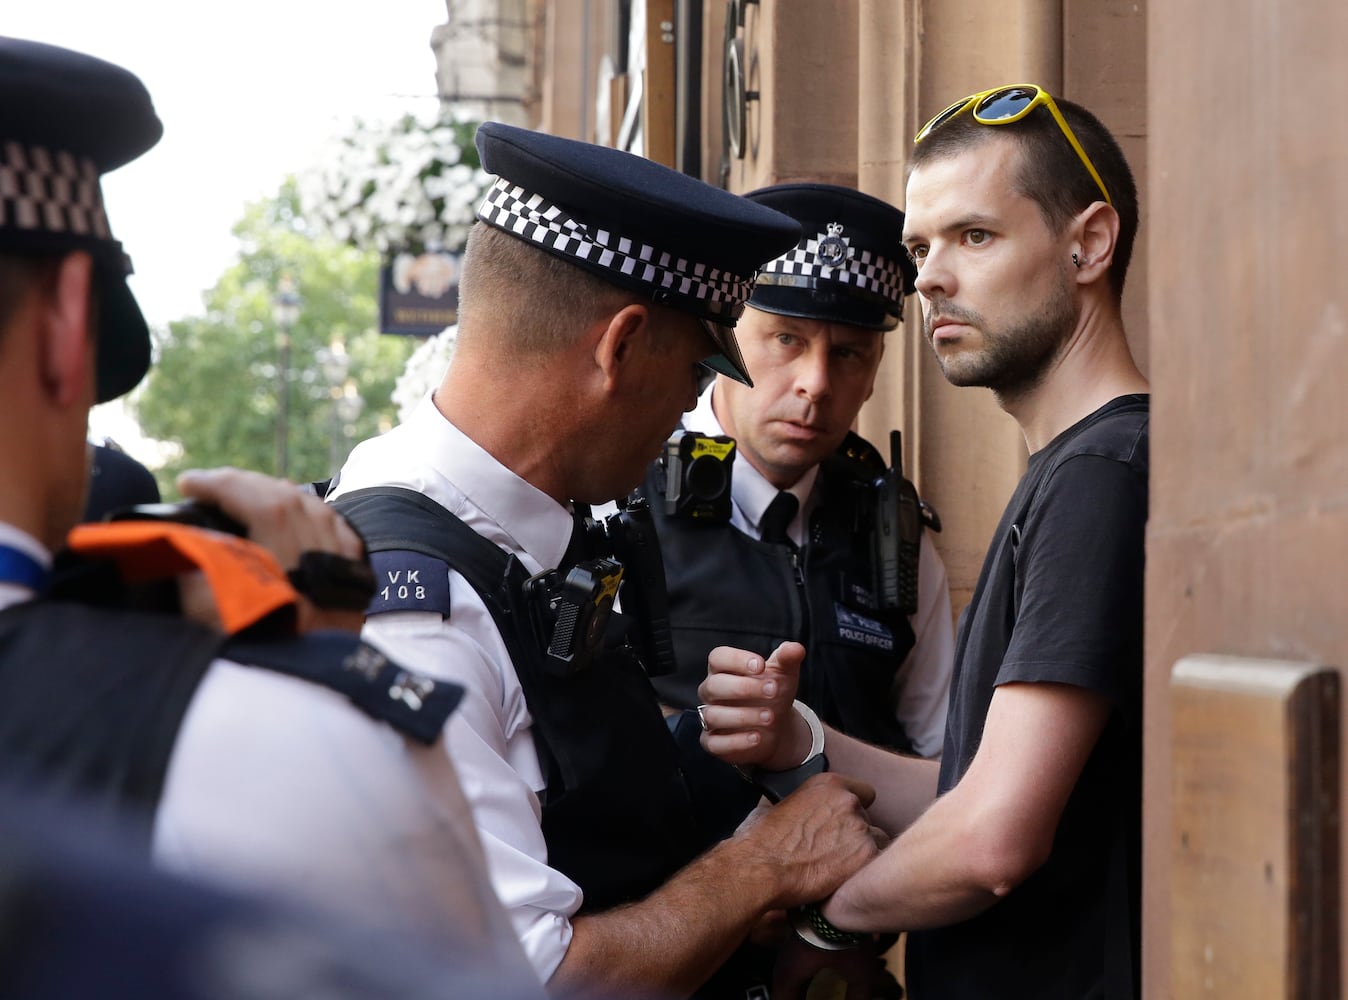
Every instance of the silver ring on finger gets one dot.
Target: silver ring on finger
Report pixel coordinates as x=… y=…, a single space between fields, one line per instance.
x=702 y=717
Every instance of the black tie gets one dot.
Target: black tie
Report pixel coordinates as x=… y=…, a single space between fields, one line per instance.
x=777 y=518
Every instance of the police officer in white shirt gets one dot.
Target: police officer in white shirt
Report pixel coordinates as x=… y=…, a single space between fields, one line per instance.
x=594 y=287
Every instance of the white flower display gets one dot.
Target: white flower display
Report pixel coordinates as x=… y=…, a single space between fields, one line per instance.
x=423 y=371
x=410 y=186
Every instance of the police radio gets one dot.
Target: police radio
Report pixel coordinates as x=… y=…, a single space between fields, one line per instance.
x=896 y=535
x=696 y=471
x=571 y=611
x=645 y=600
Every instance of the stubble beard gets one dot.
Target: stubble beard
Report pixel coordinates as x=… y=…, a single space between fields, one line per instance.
x=1014 y=360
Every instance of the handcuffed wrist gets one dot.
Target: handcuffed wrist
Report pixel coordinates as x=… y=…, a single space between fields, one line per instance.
x=812 y=927
x=776 y=785
x=816 y=730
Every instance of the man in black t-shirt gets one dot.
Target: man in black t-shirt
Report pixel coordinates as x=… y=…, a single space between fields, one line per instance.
x=1022 y=878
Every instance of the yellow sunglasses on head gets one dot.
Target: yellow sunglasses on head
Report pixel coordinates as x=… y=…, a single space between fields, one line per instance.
x=1004 y=105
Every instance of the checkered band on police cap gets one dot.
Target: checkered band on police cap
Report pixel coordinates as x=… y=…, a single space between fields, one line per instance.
x=50 y=191
x=829 y=257
x=533 y=218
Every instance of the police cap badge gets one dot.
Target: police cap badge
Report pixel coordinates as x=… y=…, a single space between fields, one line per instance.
x=849 y=266
x=636 y=224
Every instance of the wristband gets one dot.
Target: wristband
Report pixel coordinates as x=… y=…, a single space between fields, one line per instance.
x=812 y=927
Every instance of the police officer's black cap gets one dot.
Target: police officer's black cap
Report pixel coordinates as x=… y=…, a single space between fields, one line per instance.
x=65 y=119
x=850 y=265
x=116 y=480
x=634 y=223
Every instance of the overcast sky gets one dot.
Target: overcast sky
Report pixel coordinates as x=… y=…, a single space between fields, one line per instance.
x=248 y=90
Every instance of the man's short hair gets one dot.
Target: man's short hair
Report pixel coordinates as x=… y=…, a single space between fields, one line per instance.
x=533 y=302
x=1050 y=171
x=18 y=274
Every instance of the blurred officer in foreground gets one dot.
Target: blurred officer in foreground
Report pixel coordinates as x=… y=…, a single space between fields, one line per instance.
x=83 y=914
x=116 y=480
x=594 y=287
x=1022 y=879
x=243 y=750
x=777 y=522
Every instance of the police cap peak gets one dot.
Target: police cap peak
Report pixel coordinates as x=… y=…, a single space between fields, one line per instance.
x=850 y=265
x=65 y=119
x=634 y=223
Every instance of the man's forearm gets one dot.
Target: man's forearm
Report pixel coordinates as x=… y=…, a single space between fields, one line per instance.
x=930 y=876
x=669 y=943
x=904 y=786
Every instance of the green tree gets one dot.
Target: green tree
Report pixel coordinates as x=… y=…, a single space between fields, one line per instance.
x=213 y=389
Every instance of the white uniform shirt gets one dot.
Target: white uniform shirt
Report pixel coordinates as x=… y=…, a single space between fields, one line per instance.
x=281 y=787
x=490 y=738
x=922 y=684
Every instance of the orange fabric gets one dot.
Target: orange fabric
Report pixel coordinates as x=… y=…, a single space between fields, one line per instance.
x=246 y=580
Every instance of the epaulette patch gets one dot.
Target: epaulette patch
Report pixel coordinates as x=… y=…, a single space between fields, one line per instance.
x=409 y=701
x=412 y=703
x=409 y=581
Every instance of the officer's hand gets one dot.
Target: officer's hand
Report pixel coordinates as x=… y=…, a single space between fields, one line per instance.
x=290 y=523
x=746 y=707
x=814 y=839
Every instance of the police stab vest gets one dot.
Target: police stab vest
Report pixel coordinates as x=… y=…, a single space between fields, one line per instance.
x=726 y=588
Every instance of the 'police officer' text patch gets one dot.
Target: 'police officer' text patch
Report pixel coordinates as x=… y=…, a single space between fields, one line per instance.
x=409 y=581
x=862 y=631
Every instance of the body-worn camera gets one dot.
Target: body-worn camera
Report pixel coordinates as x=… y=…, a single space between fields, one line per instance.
x=572 y=609
x=697 y=470
x=571 y=606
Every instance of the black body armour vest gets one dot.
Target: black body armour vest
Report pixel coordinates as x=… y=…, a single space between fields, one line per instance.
x=93 y=696
x=728 y=589
x=618 y=808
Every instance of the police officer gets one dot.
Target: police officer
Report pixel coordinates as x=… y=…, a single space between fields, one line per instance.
x=302 y=765
x=594 y=287
x=777 y=541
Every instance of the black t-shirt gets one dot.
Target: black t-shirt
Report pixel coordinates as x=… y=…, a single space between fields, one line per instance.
x=1059 y=600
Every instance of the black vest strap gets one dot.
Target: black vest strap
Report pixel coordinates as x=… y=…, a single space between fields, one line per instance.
x=93 y=699
x=393 y=519
x=617 y=810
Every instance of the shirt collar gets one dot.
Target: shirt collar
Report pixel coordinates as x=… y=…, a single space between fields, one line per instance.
x=25 y=543
x=458 y=473
x=11 y=593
